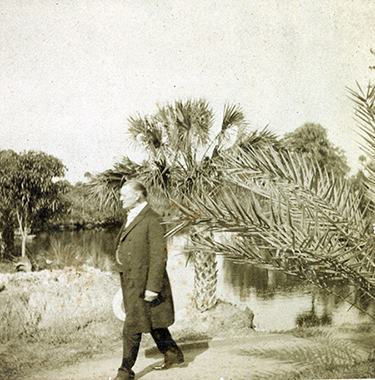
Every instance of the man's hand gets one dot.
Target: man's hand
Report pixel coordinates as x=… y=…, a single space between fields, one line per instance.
x=150 y=296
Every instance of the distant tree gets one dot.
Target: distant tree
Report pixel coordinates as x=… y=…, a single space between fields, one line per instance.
x=362 y=160
x=359 y=184
x=358 y=180
x=85 y=209
x=29 y=187
x=312 y=139
x=7 y=225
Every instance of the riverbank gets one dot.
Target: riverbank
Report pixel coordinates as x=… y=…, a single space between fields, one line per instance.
x=56 y=322
x=57 y=317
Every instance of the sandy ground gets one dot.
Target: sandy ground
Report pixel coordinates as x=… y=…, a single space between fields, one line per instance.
x=216 y=360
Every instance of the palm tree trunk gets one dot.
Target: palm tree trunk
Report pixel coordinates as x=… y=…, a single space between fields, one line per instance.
x=205 y=271
x=205 y=280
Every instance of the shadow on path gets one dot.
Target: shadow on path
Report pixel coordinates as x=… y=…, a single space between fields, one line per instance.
x=191 y=351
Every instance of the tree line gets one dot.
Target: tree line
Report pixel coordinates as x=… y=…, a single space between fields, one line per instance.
x=288 y=202
x=34 y=195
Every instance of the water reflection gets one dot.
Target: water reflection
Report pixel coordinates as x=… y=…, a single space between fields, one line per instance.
x=279 y=301
x=282 y=302
x=264 y=282
x=73 y=248
x=311 y=318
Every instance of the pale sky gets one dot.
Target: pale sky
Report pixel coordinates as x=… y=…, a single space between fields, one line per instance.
x=72 y=72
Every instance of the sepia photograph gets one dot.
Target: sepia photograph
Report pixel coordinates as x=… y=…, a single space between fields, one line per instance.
x=187 y=189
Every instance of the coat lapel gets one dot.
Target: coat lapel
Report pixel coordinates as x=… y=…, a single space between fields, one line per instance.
x=118 y=237
x=136 y=220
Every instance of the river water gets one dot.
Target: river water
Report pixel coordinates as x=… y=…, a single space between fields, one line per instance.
x=279 y=302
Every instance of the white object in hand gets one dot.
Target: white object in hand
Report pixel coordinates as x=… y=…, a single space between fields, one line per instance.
x=118 y=306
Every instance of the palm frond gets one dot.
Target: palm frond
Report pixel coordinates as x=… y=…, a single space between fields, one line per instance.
x=308 y=224
x=232 y=116
x=365 y=115
x=187 y=124
x=146 y=132
x=104 y=186
x=256 y=138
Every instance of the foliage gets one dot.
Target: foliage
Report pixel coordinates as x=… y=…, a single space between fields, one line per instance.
x=365 y=114
x=180 y=147
x=181 y=162
x=86 y=211
x=289 y=215
x=7 y=159
x=53 y=304
x=7 y=234
x=29 y=190
x=103 y=187
x=312 y=140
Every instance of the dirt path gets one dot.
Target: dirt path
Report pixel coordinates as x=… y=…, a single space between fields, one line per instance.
x=216 y=360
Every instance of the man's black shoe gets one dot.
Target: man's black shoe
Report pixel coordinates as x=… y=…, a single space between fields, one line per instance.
x=124 y=375
x=168 y=364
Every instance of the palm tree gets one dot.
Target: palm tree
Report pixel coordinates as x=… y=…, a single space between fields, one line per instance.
x=289 y=215
x=182 y=158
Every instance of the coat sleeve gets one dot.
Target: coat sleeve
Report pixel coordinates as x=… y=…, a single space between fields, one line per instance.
x=158 y=255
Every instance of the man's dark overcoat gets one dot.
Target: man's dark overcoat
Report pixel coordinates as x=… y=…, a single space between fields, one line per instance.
x=142 y=253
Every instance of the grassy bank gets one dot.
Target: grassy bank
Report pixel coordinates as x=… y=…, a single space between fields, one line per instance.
x=57 y=317
x=54 y=318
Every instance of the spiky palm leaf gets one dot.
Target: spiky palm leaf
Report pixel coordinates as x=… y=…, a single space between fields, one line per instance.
x=148 y=133
x=257 y=138
x=187 y=128
x=298 y=179
x=104 y=186
x=289 y=216
x=365 y=114
x=233 y=117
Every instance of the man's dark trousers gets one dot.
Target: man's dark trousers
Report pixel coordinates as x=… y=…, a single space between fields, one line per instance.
x=164 y=341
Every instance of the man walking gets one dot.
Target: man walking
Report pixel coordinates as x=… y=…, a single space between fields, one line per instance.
x=141 y=258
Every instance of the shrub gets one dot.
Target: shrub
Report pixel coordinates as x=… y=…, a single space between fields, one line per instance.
x=54 y=304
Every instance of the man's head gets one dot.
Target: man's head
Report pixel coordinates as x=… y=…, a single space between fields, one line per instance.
x=132 y=193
